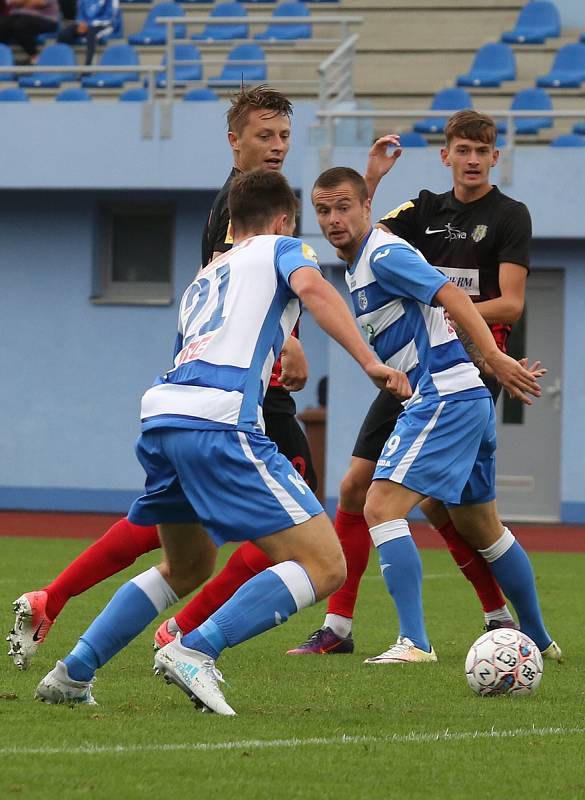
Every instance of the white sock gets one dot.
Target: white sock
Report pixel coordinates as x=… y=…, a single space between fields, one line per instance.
x=341 y=626
x=502 y=614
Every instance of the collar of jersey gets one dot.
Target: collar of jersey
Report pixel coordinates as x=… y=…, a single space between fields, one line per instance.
x=351 y=269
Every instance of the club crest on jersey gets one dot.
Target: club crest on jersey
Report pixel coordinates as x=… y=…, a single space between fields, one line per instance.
x=309 y=253
x=362 y=299
x=479 y=233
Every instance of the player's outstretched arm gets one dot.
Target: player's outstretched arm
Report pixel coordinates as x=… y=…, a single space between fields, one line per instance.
x=331 y=313
x=380 y=161
x=515 y=378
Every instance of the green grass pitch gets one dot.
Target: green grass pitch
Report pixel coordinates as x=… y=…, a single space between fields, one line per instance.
x=312 y=727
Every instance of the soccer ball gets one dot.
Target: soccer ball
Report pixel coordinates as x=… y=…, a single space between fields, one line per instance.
x=503 y=661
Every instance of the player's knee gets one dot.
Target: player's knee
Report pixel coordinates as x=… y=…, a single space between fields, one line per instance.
x=353 y=491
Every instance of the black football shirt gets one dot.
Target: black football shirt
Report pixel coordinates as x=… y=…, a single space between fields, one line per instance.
x=467 y=241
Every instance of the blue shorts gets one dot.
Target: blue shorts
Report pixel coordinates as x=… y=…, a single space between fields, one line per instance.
x=236 y=484
x=444 y=449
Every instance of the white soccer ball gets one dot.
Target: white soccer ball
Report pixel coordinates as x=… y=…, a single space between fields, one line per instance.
x=503 y=661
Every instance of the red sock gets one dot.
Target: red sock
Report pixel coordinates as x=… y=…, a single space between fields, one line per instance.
x=247 y=561
x=474 y=567
x=119 y=547
x=354 y=536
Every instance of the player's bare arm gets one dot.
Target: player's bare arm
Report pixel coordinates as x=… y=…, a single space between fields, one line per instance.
x=295 y=369
x=331 y=313
x=515 y=378
x=381 y=160
x=507 y=308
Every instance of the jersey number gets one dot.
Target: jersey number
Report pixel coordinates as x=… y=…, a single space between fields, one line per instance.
x=201 y=290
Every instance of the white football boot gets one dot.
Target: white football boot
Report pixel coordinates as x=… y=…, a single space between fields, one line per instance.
x=195 y=674
x=57 y=687
x=403 y=652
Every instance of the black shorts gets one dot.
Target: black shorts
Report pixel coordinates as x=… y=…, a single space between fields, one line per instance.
x=381 y=419
x=377 y=426
x=279 y=411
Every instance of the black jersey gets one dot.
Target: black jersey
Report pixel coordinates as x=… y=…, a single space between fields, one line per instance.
x=217 y=236
x=467 y=241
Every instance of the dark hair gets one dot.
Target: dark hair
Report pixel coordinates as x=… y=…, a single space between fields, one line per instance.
x=257 y=197
x=331 y=178
x=259 y=97
x=472 y=125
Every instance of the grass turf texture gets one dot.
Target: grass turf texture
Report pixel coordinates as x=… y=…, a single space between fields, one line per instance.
x=413 y=727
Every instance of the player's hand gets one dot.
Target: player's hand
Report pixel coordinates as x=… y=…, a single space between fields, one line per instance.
x=536 y=369
x=295 y=370
x=380 y=159
x=518 y=381
x=390 y=379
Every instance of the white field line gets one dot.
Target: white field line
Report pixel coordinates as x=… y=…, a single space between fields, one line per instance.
x=414 y=737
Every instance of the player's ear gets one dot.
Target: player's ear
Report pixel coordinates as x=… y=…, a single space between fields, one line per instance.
x=233 y=140
x=445 y=157
x=495 y=156
x=282 y=224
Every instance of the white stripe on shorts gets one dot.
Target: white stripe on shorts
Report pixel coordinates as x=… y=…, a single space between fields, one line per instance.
x=297 y=513
x=415 y=448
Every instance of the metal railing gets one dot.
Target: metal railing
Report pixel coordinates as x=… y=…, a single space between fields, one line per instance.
x=329 y=116
x=337 y=72
x=150 y=71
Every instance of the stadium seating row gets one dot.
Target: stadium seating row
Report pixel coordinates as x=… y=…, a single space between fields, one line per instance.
x=246 y=62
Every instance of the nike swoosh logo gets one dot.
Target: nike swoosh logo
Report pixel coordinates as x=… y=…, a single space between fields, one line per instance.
x=36 y=637
x=439 y=230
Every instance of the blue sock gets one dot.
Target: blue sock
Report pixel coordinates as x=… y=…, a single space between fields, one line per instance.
x=402 y=572
x=266 y=600
x=513 y=571
x=129 y=611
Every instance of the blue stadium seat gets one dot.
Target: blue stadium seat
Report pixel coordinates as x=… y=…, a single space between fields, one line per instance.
x=452 y=99
x=54 y=55
x=412 y=139
x=135 y=95
x=568 y=69
x=288 y=32
x=536 y=22
x=579 y=128
x=568 y=140
x=199 y=95
x=156 y=32
x=322 y=1
x=213 y=31
x=73 y=95
x=530 y=100
x=183 y=72
x=236 y=70
x=13 y=95
x=6 y=60
x=493 y=63
x=257 y=1
x=116 y=55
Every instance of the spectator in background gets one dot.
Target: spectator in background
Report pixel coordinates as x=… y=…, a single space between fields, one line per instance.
x=96 y=20
x=26 y=20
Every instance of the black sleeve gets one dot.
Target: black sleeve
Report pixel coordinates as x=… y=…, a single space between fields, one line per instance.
x=222 y=239
x=402 y=221
x=514 y=236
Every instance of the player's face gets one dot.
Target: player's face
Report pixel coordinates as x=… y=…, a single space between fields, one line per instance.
x=470 y=162
x=263 y=143
x=343 y=218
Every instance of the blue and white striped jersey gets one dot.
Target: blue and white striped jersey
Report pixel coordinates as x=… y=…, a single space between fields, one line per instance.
x=233 y=321
x=392 y=288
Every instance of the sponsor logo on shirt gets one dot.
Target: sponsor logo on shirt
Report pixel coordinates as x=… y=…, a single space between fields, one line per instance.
x=450 y=232
x=466 y=279
x=381 y=254
x=479 y=233
x=362 y=299
x=194 y=350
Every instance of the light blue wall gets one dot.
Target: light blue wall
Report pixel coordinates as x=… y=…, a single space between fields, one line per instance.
x=73 y=372
x=572 y=13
